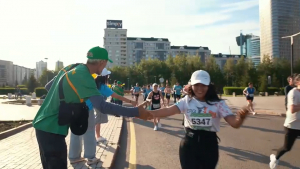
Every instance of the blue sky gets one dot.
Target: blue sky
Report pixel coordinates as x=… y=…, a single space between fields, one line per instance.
x=32 y=30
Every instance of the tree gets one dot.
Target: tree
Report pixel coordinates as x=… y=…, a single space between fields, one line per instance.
x=32 y=83
x=16 y=83
x=46 y=76
x=275 y=82
x=24 y=82
x=229 y=70
x=263 y=83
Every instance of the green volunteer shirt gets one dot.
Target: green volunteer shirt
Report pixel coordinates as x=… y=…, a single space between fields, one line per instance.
x=78 y=79
x=118 y=90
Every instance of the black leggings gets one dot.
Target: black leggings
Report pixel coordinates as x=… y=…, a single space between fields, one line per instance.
x=199 y=152
x=289 y=140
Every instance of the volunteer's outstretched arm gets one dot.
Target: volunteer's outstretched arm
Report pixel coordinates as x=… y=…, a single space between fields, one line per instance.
x=104 y=107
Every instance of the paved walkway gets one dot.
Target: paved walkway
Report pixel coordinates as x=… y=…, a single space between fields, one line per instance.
x=21 y=150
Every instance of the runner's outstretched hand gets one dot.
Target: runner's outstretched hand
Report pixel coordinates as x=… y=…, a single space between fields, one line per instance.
x=243 y=112
x=143 y=113
x=133 y=103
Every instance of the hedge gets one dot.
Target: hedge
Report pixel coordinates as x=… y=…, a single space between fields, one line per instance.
x=40 y=91
x=21 y=86
x=239 y=90
x=5 y=91
x=230 y=90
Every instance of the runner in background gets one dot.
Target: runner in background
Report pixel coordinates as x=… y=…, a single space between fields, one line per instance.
x=132 y=92
x=162 y=89
x=112 y=88
x=154 y=97
x=177 y=89
x=136 y=91
x=288 y=88
x=168 y=92
x=291 y=124
x=249 y=92
x=118 y=90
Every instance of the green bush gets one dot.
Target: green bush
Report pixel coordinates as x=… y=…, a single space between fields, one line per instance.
x=40 y=91
x=272 y=90
x=230 y=90
x=5 y=91
x=281 y=91
x=21 y=86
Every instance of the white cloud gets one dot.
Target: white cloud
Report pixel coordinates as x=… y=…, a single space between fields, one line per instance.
x=238 y=6
x=32 y=30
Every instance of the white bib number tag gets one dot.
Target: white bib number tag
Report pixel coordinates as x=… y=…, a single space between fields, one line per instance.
x=156 y=106
x=251 y=95
x=201 y=121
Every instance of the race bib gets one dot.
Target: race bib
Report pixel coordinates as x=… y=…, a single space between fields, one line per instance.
x=168 y=94
x=156 y=106
x=251 y=95
x=201 y=121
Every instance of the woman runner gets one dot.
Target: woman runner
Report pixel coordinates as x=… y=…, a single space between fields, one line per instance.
x=154 y=97
x=203 y=111
x=291 y=124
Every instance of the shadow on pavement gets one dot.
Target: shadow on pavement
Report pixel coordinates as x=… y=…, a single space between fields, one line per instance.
x=244 y=155
x=178 y=133
x=263 y=129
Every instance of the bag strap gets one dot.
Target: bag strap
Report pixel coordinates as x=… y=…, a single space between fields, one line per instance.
x=60 y=87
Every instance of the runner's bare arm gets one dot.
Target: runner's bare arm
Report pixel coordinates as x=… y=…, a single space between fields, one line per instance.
x=149 y=98
x=236 y=121
x=244 y=91
x=165 y=112
x=295 y=108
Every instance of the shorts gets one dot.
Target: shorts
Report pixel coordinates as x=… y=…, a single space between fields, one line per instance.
x=168 y=96
x=137 y=95
x=154 y=108
x=100 y=117
x=250 y=98
x=178 y=96
x=163 y=95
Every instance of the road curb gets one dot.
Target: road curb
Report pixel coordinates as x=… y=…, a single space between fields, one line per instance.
x=13 y=131
x=113 y=147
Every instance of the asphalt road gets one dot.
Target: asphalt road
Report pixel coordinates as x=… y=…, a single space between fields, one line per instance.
x=246 y=148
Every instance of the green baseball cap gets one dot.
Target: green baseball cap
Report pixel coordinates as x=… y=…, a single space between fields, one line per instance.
x=118 y=82
x=98 y=53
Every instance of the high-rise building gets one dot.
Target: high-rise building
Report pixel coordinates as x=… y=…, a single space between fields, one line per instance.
x=59 y=65
x=147 y=48
x=279 y=18
x=40 y=67
x=115 y=43
x=202 y=52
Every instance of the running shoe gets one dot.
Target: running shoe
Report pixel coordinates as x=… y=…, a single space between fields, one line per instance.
x=100 y=139
x=273 y=161
x=93 y=161
x=155 y=128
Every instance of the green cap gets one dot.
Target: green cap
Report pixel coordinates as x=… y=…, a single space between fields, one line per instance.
x=98 y=53
x=118 y=82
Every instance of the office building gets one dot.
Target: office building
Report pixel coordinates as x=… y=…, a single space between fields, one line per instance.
x=222 y=58
x=279 y=18
x=6 y=73
x=147 y=48
x=115 y=43
x=255 y=60
x=59 y=65
x=202 y=52
x=40 y=67
x=253 y=46
x=13 y=75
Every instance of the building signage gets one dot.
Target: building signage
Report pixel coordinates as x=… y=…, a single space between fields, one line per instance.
x=114 y=24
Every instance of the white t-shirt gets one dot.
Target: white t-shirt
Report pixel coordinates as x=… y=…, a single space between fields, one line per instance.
x=292 y=120
x=202 y=116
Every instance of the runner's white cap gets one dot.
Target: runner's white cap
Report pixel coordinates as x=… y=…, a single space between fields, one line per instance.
x=200 y=76
x=105 y=72
x=154 y=84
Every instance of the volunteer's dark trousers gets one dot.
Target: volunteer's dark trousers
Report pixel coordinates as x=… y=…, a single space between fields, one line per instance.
x=200 y=151
x=53 y=150
x=289 y=140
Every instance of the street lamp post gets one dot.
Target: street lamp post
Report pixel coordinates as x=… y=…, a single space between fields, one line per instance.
x=47 y=68
x=292 y=48
x=128 y=83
